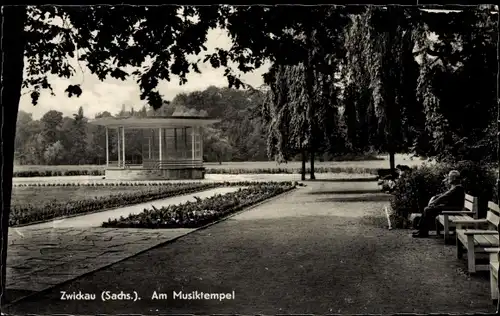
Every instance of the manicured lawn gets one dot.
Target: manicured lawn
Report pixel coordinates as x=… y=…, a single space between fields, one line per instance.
x=370 y=164
x=42 y=195
x=382 y=162
x=58 y=167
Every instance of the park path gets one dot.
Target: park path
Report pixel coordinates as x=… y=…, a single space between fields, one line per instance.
x=323 y=248
x=46 y=254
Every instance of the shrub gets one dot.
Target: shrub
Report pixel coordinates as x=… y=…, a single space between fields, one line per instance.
x=414 y=190
x=57 y=173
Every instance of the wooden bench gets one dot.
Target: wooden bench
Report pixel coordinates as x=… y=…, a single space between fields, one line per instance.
x=493 y=272
x=447 y=217
x=475 y=241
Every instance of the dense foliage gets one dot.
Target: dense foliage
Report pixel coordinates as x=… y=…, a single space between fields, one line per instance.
x=203 y=211
x=460 y=124
x=414 y=190
x=398 y=80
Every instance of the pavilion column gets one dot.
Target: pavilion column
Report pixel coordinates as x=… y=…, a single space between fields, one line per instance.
x=193 y=145
x=160 y=158
x=107 y=148
x=123 y=147
x=201 y=144
x=119 y=146
x=149 y=147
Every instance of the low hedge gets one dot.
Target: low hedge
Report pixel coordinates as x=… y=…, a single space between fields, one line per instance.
x=28 y=213
x=414 y=190
x=57 y=173
x=201 y=212
x=290 y=170
x=222 y=170
x=102 y=184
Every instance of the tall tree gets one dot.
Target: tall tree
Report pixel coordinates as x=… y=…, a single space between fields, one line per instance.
x=54 y=153
x=379 y=61
x=51 y=122
x=79 y=138
x=498 y=129
x=23 y=133
x=286 y=129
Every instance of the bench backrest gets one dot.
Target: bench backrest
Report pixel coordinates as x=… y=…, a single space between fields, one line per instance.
x=493 y=216
x=471 y=203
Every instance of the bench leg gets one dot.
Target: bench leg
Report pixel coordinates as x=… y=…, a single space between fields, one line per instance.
x=494 y=287
x=438 y=227
x=459 y=248
x=446 y=228
x=471 y=257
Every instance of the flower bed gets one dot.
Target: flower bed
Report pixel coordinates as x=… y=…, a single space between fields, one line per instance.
x=201 y=212
x=29 y=213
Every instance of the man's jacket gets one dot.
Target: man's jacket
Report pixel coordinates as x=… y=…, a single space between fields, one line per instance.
x=453 y=198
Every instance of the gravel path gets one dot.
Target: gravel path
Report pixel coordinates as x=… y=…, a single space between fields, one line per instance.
x=314 y=250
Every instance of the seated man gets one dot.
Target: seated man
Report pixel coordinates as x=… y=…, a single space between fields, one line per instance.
x=453 y=198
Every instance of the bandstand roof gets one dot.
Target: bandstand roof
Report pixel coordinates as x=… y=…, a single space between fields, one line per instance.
x=154 y=121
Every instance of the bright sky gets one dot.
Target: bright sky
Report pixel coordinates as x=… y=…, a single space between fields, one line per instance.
x=111 y=94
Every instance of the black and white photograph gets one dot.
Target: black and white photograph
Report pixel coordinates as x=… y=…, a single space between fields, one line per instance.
x=250 y=159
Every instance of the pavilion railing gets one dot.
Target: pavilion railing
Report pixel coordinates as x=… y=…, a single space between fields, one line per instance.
x=128 y=164
x=171 y=164
x=157 y=164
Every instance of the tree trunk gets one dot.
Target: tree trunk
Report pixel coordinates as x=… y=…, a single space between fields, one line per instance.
x=309 y=81
x=303 y=172
x=13 y=42
x=498 y=127
x=392 y=160
x=313 y=177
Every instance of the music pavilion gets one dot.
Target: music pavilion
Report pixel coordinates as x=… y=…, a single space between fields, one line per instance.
x=172 y=147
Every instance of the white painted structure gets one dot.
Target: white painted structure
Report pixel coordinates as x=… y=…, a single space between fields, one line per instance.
x=172 y=147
